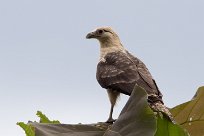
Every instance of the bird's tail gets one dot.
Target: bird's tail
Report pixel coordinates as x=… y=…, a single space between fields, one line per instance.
x=158 y=106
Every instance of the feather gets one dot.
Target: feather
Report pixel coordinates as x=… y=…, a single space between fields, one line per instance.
x=121 y=71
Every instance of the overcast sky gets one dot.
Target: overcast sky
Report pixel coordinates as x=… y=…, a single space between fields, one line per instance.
x=47 y=64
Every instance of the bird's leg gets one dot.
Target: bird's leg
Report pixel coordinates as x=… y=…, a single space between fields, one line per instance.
x=110 y=118
x=113 y=95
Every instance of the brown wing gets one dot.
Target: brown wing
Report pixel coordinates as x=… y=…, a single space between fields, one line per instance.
x=121 y=72
x=145 y=74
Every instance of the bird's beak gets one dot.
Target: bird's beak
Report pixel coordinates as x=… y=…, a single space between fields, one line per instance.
x=90 y=35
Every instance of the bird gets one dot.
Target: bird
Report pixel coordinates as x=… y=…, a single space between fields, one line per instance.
x=118 y=71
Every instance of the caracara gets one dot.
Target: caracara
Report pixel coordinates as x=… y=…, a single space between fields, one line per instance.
x=118 y=71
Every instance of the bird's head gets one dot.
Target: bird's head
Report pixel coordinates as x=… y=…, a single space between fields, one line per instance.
x=106 y=36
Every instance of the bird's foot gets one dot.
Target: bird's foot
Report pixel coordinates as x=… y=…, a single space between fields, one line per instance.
x=110 y=121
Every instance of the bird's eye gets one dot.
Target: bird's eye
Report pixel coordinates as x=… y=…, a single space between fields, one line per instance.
x=100 y=31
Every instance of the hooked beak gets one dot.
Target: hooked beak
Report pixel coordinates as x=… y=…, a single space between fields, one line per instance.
x=90 y=35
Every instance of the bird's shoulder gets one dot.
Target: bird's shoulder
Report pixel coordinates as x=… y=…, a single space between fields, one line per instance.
x=116 y=63
x=118 y=58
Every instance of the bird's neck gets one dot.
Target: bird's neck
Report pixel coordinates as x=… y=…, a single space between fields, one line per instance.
x=108 y=48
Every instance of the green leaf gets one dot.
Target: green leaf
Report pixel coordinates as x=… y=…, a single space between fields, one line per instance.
x=167 y=128
x=190 y=115
x=137 y=119
x=44 y=119
x=29 y=130
x=69 y=130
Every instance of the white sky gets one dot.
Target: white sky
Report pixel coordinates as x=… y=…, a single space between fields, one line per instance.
x=47 y=64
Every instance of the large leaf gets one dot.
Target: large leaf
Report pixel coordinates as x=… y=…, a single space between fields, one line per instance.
x=167 y=128
x=46 y=127
x=190 y=115
x=42 y=129
x=136 y=118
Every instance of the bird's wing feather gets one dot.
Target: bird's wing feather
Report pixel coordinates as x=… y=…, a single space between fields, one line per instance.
x=145 y=74
x=121 y=72
x=143 y=71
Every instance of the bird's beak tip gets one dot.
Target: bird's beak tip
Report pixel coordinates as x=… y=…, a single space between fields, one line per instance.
x=90 y=35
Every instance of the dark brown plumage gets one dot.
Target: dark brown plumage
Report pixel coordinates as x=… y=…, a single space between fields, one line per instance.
x=121 y=71
x=118 y=71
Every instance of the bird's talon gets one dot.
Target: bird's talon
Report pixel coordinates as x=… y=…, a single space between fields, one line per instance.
x=110 y=121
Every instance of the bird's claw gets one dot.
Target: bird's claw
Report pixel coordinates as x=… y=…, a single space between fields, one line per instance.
x=110 y=121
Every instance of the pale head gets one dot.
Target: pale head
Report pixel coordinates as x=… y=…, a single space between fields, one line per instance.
x=106 y=36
